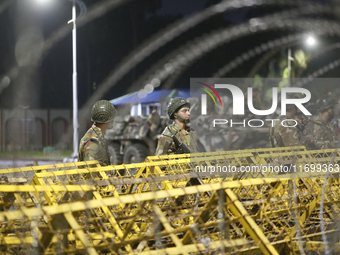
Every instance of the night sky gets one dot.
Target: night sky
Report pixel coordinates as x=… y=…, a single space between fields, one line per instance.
x=107 y=40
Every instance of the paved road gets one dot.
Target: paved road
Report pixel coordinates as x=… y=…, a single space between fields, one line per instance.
x=22 y=163
x=6 y=164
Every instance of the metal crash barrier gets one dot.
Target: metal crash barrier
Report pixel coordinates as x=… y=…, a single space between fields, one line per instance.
x=177 y=204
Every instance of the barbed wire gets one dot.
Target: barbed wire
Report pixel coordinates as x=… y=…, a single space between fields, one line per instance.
x=192 y=50
x=189 y=53
x=146 y=210
x=321 y=71
x=322 y=223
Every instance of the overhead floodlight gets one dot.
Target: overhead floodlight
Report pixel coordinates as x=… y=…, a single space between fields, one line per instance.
x=310 y=41
x=43 y=1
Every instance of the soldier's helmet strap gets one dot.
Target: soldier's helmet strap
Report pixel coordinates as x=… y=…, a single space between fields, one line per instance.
x=171 y=132
x=165 y=131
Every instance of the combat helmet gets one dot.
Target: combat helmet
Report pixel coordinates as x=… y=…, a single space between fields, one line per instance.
x=325 y=102
x=103 y=112
x=293 y=96
x=175 y=104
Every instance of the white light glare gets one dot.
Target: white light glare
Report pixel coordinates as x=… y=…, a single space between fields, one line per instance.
x=43 y=1
x=311 y=41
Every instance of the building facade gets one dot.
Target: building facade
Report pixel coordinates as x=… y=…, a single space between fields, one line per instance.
x=33 y=129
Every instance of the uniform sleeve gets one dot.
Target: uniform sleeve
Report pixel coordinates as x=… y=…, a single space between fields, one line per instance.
x=319 y=141
x=290 y=136
x=309 y=128
x=318 y=138
x=163 y=145
x=277 y=136
x=90 y=151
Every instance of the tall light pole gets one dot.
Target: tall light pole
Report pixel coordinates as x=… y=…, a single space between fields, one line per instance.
x=310 y=41
x=74 y=80
x=74 y=74
x=290 y=58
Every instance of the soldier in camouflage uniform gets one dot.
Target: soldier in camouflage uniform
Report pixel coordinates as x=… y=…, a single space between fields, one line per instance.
x=93 y=146
x=324 y=135
x=178 y=110
x=281 y=136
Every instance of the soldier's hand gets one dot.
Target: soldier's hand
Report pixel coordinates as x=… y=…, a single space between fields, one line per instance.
x=310 y=139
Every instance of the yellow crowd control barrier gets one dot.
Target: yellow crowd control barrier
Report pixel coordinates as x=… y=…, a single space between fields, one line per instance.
x=153 y=220
x=166 y=206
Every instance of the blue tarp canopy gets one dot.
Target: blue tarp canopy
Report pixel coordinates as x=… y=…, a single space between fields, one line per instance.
x=154 y=96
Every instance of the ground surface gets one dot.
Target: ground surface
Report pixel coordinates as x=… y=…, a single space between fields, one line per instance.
x=30 y=158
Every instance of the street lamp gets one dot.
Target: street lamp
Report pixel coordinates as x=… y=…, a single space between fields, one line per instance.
x=74 y=80
x=310 y=41
x=290 y=58
x=74 y=74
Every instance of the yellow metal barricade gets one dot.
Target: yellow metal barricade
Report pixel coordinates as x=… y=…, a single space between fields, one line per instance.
x=169 y=205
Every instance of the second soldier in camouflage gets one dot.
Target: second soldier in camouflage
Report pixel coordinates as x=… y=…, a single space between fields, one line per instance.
x=288 y=135
x=178 y=110
x=324 y=134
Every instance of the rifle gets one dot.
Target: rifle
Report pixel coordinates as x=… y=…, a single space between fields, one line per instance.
x=193 y=181
x=182 y=147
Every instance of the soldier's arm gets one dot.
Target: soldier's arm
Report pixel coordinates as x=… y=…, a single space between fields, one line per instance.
x=308 y=141
x=333 y=144
x=91 y=151
x=321 y=144
x=309 y=129
x=319 y=141
x=163 y=145
x=291 y=137
x=294 y=137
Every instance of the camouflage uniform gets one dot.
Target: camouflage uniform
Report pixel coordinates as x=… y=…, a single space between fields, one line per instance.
x=93 y=146
x=324 y=135
x=307 y=128
x=287 y=136
x=167 y=146
x=154 y=119
x=307 y=125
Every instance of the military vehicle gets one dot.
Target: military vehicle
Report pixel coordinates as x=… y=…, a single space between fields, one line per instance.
x=131 y=140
